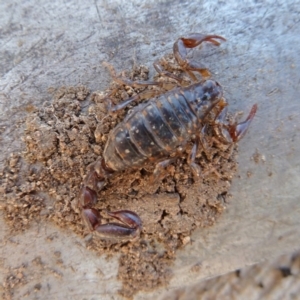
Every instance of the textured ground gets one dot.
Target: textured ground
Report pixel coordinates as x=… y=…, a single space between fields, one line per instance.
x=271 y=280
x=63 y=138
x=48 y=45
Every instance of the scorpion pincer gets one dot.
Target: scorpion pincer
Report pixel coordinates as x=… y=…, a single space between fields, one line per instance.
x=156 y=129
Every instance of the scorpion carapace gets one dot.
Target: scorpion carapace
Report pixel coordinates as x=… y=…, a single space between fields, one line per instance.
x=156 y=129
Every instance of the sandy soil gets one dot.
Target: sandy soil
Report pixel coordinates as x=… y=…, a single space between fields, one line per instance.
x=64 y=137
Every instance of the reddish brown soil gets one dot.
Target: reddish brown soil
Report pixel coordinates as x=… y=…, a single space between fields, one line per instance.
x=64 y=136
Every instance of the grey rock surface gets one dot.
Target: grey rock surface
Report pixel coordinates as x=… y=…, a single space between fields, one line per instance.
x=53 y=43
x=273 y=279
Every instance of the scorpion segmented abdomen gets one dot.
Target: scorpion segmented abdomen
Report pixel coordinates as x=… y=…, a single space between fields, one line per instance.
x=143 y=137
x=185 y=114
x=111 y=156
x=158 y=127
x=152 y=130
x=133 y=142
x=171 y=117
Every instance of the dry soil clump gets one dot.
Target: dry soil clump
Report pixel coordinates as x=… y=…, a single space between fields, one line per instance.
x=67 y=134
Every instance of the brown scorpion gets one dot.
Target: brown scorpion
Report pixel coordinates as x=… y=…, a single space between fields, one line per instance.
x=156 y=129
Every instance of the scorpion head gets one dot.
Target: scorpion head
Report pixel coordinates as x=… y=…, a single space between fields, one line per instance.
x=204 y=96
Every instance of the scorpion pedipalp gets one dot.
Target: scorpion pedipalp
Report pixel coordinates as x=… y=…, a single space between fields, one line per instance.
x=232 y=133
x=94 y=182
x=191 y=41
x=116 y=231
x=238 y=130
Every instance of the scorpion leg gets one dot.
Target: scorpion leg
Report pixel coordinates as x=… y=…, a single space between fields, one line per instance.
x=159 y=170
x=160 y=70
x=133 y=83
x=146 y=94
x=191 y=159
x=196 y=169
x=232 y=133
x=192 y=41
x=94 y=181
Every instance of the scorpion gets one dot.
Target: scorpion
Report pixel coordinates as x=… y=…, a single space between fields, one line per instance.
x=156 y=129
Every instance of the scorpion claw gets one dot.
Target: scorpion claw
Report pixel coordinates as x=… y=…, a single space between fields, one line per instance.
x=237 y=131
x=127 y=217
x=91 y=218
x=195 y=39
x=116 y=231
x=191 y=41
x=131 y=228
x=87 y=196
x=232 y=133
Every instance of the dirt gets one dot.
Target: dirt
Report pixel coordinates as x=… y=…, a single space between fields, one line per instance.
x=29 y=274
x=67 y=134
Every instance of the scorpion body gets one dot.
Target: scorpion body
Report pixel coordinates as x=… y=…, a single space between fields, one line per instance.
x=156 y=129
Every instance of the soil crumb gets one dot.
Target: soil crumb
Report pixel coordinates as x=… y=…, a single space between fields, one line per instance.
x=66 y=135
